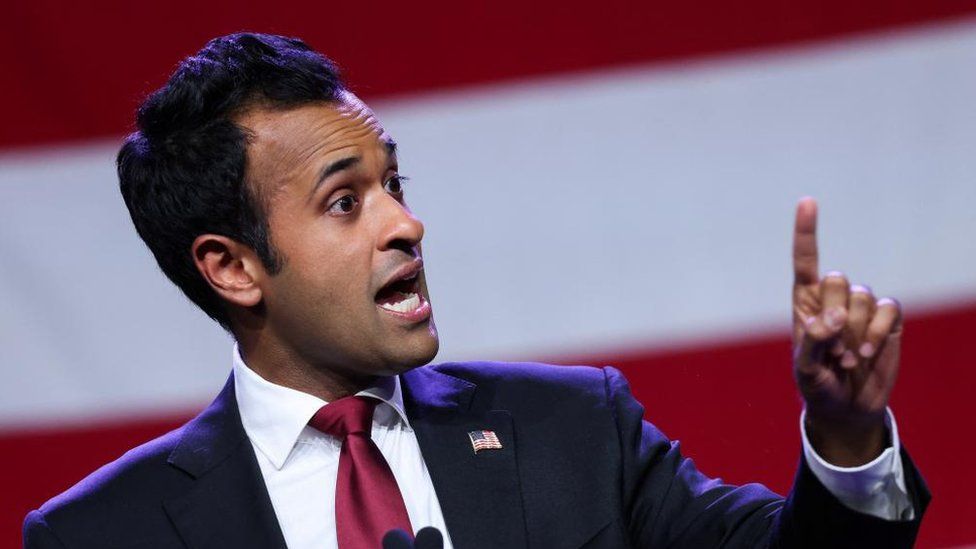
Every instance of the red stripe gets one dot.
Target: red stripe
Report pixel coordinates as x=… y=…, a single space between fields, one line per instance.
x=74 y=71
x=732 y=405
x=35 y=466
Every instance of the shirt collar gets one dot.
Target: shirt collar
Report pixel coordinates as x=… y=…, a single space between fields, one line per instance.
x=274 y=416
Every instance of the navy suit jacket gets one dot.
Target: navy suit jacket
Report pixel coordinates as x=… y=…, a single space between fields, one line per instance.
x=579 y=468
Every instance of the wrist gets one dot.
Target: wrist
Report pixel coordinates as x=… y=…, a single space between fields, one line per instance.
x=847 y=442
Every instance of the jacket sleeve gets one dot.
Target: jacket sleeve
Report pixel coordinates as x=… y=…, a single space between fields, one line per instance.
x=37 y=533
x=669 y=503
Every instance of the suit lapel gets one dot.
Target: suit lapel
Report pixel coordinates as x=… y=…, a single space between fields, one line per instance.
x=479 y=494
x=228 y=505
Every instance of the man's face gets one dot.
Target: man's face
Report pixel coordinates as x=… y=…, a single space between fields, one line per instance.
x=351 y=296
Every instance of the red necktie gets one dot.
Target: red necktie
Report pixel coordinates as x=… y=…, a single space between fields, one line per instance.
x=368 y=502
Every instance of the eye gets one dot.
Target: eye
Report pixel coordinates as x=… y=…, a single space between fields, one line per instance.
x=344 y=204
x=394 y=185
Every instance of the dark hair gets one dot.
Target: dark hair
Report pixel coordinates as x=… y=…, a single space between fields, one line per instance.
x=182 y=174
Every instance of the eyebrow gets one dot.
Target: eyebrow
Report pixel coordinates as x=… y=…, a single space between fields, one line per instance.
x=333 y=168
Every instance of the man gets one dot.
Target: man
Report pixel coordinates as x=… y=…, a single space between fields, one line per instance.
x=271 y=196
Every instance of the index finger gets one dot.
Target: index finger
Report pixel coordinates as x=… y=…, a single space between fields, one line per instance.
x=805 y=257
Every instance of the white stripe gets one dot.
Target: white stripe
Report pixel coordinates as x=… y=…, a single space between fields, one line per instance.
x=619 y=208
x=637 y=207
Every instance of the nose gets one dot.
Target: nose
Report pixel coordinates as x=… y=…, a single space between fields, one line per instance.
x=401 y=230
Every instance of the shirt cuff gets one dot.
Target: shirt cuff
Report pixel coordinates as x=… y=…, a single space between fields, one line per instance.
x=876 y=488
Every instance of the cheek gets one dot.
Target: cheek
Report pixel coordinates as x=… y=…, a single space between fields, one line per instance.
x=326 y=260
x=333 y=269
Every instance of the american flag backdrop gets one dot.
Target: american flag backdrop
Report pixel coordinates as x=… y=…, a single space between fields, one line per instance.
x=601 y=183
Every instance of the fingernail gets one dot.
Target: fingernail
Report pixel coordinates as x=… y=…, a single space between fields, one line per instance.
x=848 y=360
x=866 y=350
x=834 y=318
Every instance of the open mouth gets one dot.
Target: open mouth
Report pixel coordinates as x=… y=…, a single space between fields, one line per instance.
x=402 y=296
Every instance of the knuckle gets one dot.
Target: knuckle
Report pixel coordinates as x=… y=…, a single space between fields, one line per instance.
x=805 y=261
x=858 y=319
x=818 y=332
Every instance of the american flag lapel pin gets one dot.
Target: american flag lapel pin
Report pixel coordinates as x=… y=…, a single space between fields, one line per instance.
x=484 y=440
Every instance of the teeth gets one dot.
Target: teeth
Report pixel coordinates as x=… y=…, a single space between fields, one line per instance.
x=407 y=303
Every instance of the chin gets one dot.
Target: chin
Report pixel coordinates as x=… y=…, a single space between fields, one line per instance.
x=415 y=352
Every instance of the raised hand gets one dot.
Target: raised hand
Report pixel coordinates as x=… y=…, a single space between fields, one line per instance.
x=846 y=350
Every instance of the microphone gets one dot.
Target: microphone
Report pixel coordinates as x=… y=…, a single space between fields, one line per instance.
x=427 y=538
x=397 y=539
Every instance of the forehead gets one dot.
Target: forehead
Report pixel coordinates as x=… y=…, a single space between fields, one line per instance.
x=287 y=144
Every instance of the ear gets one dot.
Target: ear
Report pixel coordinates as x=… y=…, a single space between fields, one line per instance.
x=232 y=269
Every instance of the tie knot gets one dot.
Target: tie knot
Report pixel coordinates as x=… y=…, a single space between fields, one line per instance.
x=347 y=416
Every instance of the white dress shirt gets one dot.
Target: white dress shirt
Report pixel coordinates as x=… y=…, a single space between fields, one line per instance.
x=300 y=464
x=875 y=488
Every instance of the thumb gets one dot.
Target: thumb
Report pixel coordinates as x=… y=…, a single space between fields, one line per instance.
x=816 y=333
